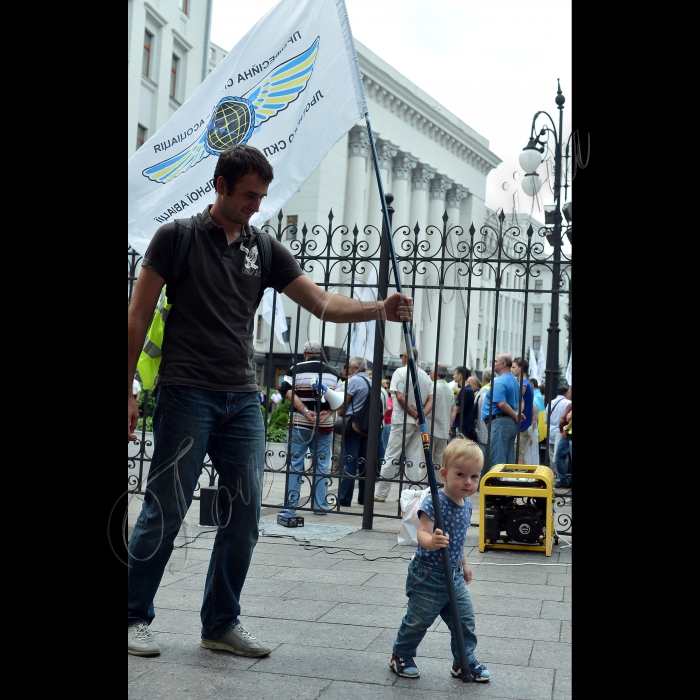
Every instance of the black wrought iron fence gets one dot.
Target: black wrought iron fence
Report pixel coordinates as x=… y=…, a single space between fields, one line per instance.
x=445 y=269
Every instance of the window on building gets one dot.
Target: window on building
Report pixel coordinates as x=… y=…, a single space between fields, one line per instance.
x=174 y=70
x=147 y=53
x=538 y=314
x=280 y=372
x=184 y=6
x=292 y=220
x=259 y=334
x=538 y=286
x=536 y=343
x=478 y=333
x=141 y=133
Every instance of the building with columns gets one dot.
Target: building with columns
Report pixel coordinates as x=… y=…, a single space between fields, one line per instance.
x=167 y=61
x=432 y=163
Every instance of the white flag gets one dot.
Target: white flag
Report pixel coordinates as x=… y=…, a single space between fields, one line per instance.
x=362 y=334
x=542 y=363
x=568 y=372
x=291 y=87
x=280 y=317
x=534 y=369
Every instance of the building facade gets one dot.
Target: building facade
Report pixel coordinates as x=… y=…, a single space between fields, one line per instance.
x=167 y=61
x=429 y=160
x=433 y=164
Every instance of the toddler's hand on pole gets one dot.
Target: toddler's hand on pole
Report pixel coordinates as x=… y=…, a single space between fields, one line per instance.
x=439 y=540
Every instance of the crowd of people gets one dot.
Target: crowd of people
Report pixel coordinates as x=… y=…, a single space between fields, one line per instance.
x=507 y=432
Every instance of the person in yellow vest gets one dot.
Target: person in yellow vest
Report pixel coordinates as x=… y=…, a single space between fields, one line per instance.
x=207 y=397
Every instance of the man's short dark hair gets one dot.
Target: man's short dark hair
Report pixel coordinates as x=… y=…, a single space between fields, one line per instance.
x=562 y=390
x=463 y=372
x=237 y=161
x=442 y=370
x=523 y=364
x=534 y=383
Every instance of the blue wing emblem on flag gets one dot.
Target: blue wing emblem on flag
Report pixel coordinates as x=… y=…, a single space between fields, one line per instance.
x=235 y=119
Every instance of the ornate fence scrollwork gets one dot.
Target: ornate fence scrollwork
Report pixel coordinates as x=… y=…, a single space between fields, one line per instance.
x=474 y=270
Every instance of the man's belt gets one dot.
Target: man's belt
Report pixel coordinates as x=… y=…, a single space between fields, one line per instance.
x=499 y=415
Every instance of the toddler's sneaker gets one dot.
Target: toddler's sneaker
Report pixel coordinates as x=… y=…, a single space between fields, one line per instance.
x=479 y=672
x=404 y=667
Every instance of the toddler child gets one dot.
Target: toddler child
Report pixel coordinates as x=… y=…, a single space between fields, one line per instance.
x=425 y=585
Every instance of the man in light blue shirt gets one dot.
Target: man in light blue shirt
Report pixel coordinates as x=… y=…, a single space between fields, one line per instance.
x=502 y=419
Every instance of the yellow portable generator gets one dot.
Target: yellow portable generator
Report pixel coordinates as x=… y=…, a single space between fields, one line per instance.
x=516 y=508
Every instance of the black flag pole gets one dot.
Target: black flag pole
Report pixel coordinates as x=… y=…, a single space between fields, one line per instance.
x=439 y=523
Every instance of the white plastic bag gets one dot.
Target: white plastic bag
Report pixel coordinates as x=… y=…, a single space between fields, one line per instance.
x=410 y=502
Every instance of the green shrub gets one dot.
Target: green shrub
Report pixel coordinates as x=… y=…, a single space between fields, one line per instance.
x=276 y=435
x=277 y=425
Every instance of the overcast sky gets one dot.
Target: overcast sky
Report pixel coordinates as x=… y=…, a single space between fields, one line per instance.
x=492 y=63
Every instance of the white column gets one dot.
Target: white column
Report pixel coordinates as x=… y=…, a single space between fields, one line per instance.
x=450 y=300
x=422 y=176
x=402 y=167
x=358 y=148
x=385 y=153
x=473 y=211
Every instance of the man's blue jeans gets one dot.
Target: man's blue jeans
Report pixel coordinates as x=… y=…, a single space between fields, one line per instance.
x=426 y=589
x=386 y=429
x=354 y=460
x=561 y=468
x=304 y=440
x=503 y=432
x=189 y=423
x=381 y=450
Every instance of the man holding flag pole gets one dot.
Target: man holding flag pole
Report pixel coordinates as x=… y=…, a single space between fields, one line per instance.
x=207 y=395
x=294 y=101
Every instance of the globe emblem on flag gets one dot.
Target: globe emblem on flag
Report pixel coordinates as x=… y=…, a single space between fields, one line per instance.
x=230 y=125
x=235 y=119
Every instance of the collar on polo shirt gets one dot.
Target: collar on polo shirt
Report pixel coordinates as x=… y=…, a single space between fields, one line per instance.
x=214 y=230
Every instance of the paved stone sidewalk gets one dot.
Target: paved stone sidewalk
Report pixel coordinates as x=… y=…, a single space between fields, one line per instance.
x=331 y=609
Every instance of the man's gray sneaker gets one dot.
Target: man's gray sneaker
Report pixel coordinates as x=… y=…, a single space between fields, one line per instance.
x=239 y=641
x=141 y=641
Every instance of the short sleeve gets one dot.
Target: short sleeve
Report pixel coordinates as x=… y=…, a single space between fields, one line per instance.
x=160 y=251
x=285 y=269
x=427 y=507
x=499 y=391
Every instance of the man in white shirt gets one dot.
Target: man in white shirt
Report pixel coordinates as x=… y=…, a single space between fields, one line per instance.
x=442 y=408
x=405 y=403
x=559 y=404
x=275 y=398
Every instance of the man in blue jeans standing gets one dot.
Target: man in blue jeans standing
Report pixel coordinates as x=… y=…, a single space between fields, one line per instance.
x=207 y=397
x=355 y=452
x=502 y=418
x=307 y=434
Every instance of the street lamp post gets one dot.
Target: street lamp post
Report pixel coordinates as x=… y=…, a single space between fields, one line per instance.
x=530 y=159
